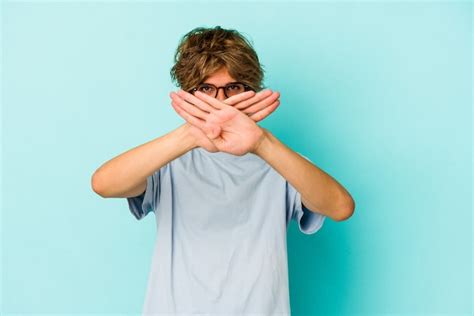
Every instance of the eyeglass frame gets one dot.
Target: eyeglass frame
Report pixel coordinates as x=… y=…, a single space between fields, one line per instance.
x=246 y=88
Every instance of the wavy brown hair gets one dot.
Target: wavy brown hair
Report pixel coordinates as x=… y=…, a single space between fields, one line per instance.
x=203 y=51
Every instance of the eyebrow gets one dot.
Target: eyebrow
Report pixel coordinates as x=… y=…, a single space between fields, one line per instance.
x=224 y=84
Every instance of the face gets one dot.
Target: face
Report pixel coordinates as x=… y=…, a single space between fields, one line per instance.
x=220 y=78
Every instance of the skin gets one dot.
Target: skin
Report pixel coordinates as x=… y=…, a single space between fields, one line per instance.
x=229 y=128
x=256 y=106
x=126 y=174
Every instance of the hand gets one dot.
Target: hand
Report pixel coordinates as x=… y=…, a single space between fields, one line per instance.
x=258 y=106
x=201 y=140
x=255 y=105
x=229 y=129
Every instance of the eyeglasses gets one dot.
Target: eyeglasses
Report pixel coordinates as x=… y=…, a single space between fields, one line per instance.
x=230 y=89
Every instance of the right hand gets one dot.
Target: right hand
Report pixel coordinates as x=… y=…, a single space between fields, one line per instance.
x=257 y=106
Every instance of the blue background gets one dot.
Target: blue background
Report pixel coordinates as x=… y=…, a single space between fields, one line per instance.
x=377 y=94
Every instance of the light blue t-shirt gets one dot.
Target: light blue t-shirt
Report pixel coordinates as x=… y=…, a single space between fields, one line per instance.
x=220 y=247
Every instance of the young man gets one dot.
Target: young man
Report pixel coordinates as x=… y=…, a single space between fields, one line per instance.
x=223 y=189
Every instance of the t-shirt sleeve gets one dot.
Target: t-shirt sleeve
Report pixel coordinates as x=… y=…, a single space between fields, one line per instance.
x=308 y=221
x=146 y=202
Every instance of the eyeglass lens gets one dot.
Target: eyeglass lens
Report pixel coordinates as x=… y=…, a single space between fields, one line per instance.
x=229 y=90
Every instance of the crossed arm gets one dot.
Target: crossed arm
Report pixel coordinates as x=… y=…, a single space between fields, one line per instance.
x=229 y=129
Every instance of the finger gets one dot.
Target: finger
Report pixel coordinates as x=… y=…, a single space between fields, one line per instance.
x=211 y=130
x=188 y=117
x=215 y=131
x=190 y=108
x=257 y=98
x=193 y=100
x=262 y=104
x=239 y=97
x=260 y=115
x=211 y=100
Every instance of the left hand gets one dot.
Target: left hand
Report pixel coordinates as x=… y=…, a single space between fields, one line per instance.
x=228 y=128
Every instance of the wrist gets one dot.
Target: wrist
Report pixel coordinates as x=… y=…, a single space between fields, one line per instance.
x=263 y=144
x=186 y=139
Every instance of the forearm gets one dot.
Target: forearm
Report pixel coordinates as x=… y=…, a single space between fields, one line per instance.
x=319 y=191
x=118 y=176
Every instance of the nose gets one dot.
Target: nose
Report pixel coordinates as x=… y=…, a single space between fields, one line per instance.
x=220 y=95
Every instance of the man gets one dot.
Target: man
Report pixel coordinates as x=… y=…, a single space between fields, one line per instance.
x=223 y=189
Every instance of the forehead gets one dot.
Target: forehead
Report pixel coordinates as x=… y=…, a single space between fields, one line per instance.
x=220 y=77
